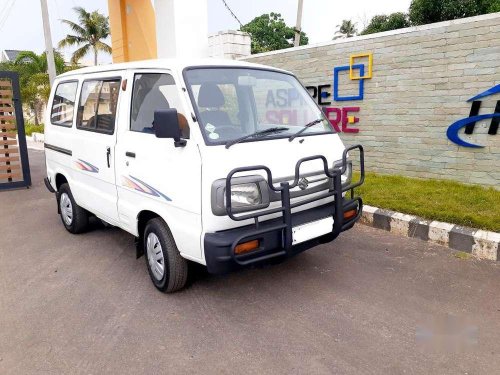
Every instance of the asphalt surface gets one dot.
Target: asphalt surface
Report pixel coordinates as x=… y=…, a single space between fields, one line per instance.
x=368 y=303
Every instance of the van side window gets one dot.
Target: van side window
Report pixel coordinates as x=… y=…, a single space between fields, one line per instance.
x=97 y=107
x=153 y=91
x=63 y=105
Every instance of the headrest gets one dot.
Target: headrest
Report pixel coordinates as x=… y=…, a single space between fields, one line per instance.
x=210 y=96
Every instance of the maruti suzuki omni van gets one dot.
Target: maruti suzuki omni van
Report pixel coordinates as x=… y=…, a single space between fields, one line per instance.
x=222 y=163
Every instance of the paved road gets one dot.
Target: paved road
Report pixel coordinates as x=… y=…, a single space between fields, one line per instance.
x=370 y=303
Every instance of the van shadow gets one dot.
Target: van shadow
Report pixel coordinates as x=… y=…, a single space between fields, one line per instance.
x=278 y=271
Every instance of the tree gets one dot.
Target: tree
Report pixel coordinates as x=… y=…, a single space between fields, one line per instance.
x=346 y=30
x=383 y=22
x=429 y=11
x=269 y=32
x=34 y=79
x=88 y=34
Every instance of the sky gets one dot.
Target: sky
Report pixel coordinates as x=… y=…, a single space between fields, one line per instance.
x=21 y=24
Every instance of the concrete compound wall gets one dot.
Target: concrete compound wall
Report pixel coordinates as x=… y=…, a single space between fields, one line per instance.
x=422 y=78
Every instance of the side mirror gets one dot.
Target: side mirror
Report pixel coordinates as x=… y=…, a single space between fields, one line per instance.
x=166 y=125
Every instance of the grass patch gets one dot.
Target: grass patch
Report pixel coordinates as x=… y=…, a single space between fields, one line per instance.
x=462 y=255
x=29 y=129
x=442 y=200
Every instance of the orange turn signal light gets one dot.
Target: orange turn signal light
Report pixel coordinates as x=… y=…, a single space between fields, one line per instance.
x=349 y=214
x=245 y=247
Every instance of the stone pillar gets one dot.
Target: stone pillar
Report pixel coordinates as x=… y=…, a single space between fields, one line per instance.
x=229 y=44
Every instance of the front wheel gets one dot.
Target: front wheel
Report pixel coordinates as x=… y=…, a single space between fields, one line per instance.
x=167 y=269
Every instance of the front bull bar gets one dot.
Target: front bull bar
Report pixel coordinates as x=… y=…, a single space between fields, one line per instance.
x=336 y=190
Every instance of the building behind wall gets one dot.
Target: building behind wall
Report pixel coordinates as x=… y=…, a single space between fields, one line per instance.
x=9 y=55
x=422 y=78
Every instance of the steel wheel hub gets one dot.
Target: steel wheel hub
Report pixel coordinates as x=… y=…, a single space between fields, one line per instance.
x=155 y=256
x=66 y=209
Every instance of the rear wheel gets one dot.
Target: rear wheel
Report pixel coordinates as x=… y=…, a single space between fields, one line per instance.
x=167 y=269
x=74 y=217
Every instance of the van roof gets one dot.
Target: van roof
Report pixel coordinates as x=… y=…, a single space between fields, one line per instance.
x=177 y=64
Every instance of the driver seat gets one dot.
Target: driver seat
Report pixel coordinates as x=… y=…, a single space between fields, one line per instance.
x=212 y=98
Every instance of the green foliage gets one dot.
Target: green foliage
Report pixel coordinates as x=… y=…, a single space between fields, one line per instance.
x=30 y=128
x=346 y=29
x=269 y=32
x=422 y=12
x=88 y=34
x=383 y=22
x=429 y=11
x=33 y=78
x=491 y=6
x=443 y=200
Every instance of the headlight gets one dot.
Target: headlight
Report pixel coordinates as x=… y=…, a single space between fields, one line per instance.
x=243 y=195
x=347 y=175
x=248 y=193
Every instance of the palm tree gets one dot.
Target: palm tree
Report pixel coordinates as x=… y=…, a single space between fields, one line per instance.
x=34 y=79
x=346 y=30
x=88 y=34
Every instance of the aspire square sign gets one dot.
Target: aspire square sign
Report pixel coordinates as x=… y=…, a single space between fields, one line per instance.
x=282 y=103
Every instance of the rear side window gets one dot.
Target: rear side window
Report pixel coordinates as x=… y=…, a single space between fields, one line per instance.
x=97 y=106
x=63 y=105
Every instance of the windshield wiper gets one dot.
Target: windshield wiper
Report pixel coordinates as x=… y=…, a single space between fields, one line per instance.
x=258 y=134
x=304 y=128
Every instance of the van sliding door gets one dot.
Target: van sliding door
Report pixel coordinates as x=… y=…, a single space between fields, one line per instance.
x=94 y=146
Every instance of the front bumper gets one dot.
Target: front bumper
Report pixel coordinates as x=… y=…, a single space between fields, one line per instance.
x=275 y=236
x=219 y=251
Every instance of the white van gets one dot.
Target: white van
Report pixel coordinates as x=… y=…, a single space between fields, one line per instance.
x=222 y=163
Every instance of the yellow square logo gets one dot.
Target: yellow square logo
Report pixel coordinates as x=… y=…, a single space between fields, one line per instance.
x=352 y=59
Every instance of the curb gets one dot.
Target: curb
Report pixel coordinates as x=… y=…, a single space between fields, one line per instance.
x=480 y=243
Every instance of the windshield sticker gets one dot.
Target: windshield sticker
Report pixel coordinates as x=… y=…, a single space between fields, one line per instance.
x=211 y=131
x=140 y=186
x=86 y=166
x=210 y=128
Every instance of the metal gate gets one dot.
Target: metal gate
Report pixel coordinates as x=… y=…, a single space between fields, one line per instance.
x=14 y=164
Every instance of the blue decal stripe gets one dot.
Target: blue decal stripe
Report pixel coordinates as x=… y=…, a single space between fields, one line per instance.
x=453 y=129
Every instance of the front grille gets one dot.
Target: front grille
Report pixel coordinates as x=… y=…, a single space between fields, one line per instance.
x=313 y=183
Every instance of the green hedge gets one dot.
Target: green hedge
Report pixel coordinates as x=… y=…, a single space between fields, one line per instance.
x=32 y=128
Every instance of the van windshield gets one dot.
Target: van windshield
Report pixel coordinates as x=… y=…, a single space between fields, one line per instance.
x=255 y=104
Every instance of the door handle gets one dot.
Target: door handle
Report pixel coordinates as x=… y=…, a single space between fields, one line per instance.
x=108 y=154
x=130 y=154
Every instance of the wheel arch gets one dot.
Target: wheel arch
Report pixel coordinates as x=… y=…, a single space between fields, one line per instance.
x=142 y=219
x=60 y=179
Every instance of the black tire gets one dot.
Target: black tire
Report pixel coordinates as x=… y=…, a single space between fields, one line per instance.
x=79 y=222
x=175 y=267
